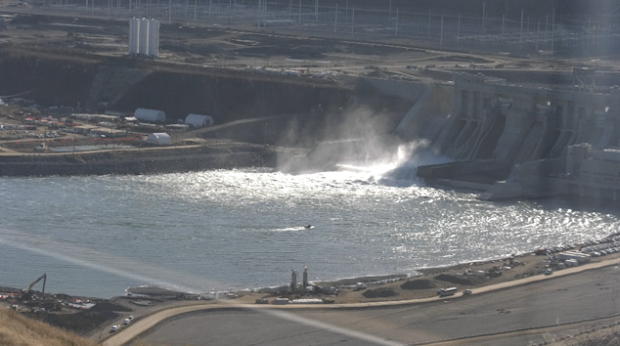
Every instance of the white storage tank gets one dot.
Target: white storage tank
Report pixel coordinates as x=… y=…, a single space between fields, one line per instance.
x=144 y=37
x=150 y=115
x=134 y=36
x=198 y=120
x=159 y=139
x=153 y=49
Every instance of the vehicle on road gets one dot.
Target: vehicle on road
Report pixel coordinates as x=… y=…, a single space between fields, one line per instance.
x=549 y=271
x=445 y=292
x=114 y=328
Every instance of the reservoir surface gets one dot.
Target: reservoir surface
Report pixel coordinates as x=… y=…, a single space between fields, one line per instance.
x=227 y=229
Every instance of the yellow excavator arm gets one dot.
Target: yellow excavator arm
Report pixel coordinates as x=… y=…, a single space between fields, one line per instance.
x=42 y=277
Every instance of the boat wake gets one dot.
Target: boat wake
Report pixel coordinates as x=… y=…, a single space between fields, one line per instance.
x=292 y=229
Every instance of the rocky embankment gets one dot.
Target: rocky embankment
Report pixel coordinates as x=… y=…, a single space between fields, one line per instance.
x=134 y=162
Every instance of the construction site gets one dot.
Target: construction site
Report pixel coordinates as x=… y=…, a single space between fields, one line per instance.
x=519 y=99
x=506 y=91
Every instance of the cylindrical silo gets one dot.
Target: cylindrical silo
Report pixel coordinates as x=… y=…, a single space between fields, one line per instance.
x=134 y=36
x=153 y=38
x=133 y=29
x=130 y=47
x=144 y=37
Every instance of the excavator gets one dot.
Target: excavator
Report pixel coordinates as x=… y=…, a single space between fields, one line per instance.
x=40 y=302
x=28 y=294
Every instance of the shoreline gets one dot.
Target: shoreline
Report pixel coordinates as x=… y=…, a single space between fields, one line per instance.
x=370 y=279
x=154 y=300
x=154 y=320
x=133 y=162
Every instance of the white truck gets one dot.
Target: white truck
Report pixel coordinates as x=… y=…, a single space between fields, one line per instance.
x=574 y=255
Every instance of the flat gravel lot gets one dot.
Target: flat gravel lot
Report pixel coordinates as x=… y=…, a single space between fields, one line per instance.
x=589 y=295
x=243 y=328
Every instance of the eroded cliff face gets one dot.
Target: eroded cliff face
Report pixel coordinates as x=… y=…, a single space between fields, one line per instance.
x=55 y=79
x=231 y=95
x=51 y=79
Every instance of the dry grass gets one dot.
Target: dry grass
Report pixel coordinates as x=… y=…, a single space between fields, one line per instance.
x=17 y=330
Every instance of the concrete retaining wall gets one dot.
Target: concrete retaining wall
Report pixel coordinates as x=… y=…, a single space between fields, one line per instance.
x=456 y=169
x=411 y=91
x=74 y=165
x=429 y=114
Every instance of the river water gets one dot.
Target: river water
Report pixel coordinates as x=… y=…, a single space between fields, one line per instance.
x=245 y=228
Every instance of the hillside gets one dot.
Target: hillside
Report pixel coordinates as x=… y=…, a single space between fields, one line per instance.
x=17 y=330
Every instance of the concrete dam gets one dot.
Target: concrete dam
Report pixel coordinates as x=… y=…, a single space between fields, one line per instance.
x=511 y=141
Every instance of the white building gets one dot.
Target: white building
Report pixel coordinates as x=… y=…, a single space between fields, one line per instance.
x=159 y=139
x=198 y=120
x=149 y=115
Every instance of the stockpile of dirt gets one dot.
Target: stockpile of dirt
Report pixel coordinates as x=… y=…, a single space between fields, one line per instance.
x=109 y=307
x=79 y=323
x=382 y=292
x=460 y=279
x=417 y=285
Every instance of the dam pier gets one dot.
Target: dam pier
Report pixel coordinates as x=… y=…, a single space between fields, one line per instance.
x=513 y=141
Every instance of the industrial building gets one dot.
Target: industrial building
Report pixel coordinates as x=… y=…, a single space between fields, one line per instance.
x=199 y=120
x=109 y=133
x=159 y=139
x=150 y=115
x=94 y=117
x=177 y=127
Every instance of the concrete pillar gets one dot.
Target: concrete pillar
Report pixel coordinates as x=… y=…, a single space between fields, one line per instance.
x=441 y=33
x=474 y=105
x=428 y=30
x=564 y=114
x=336 y=20
x=465 y=97
x=306 y=277
x=353 y=21
x=396 y=27
x=294 y=281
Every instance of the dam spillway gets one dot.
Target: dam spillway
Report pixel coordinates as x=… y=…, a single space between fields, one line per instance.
x=506 y=137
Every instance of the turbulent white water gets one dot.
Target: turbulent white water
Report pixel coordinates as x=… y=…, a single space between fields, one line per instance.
x=245 y=228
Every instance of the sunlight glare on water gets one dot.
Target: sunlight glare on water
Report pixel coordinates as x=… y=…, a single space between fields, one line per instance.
x=245 y=228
